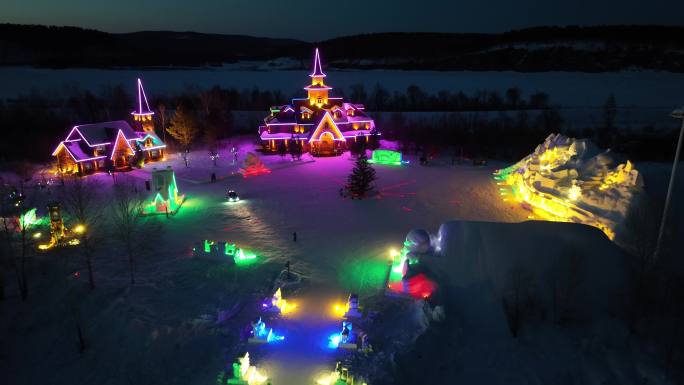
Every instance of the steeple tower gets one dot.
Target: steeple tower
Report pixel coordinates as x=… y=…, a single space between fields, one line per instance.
x=142 y=113
x=317 y=90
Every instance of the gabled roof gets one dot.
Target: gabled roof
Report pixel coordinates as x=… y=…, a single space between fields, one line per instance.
x=121 y=136
x=98 y=134
x=78 y=150
x=319 y=131
x=156 y=142
x=317 y=70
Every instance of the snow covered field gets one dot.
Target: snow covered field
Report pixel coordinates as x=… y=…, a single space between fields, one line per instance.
x=162 y=330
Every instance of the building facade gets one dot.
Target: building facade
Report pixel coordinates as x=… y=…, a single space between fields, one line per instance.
x=111 y=146
x=320 y=124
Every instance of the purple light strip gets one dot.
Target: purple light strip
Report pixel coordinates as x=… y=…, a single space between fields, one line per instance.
x=289 y=124
x=74 y=157
x=360 y=134
x=84 y=138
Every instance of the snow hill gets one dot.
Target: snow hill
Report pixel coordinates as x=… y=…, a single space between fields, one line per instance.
x=570 y=280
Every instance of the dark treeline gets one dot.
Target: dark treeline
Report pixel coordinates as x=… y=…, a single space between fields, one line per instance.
x=379 y=98
x=485 y=124
x=572 y=48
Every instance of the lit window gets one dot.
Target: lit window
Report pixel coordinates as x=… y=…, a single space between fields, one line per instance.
x=320 y=100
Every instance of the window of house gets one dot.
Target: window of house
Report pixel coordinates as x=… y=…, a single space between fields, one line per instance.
x=320 y=100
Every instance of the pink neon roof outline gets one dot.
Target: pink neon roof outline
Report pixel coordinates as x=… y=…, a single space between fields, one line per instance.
x=75 y=128
x=317 y=71
x=54 y=153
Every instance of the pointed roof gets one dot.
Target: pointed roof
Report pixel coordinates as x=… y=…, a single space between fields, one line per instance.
x=120 y=135
x=319 y=131
x=143 y=108
x=317 y=71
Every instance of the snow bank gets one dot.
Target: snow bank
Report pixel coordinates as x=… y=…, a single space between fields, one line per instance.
x=472 y=253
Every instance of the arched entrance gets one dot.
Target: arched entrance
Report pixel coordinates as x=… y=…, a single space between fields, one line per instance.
x=326 y=146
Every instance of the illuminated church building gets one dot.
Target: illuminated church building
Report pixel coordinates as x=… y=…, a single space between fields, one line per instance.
x=323 y=125
x=114 y=145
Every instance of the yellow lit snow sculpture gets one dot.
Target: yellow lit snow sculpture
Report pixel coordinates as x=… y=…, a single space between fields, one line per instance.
x=570 y=180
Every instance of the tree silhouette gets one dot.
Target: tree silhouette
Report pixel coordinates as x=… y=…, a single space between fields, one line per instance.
x=360 y=181
x=184 y=129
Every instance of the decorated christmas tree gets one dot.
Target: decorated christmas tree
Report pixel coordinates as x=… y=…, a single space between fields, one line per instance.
x=360 y=181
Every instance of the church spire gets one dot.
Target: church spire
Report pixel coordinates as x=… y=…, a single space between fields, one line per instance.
x=142 y=113
x=143 y=108
x=317 y=70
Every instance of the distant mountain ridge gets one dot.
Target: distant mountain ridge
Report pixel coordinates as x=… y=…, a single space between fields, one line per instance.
x=587 y=49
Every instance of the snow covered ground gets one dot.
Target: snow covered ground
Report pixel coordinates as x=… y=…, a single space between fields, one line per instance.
x=162 y=330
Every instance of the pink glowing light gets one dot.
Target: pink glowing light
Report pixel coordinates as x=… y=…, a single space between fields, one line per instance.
x=73 y=156
x=75 y=128
x=317 y=71
x=141 y=97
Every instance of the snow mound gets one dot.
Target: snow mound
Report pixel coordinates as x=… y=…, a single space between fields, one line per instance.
x=571 y=180
x=551 y=255
x=418 y=241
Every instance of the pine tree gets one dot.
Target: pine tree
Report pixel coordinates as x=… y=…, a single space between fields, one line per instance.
x=360 y=181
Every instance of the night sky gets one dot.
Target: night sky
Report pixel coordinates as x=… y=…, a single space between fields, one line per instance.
x=317 y=20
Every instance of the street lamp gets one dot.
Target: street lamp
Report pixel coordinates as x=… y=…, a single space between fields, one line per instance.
x=677 y=114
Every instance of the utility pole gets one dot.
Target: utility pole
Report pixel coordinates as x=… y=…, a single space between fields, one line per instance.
x=677 y=114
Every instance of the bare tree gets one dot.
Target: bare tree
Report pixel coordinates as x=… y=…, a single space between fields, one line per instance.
x=212 y=142
x=16 y=226
x=135 y=233
x=161 y=107
x=81 y=202
x=207 y=100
